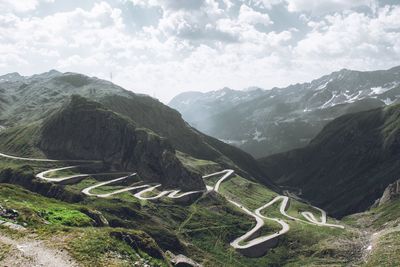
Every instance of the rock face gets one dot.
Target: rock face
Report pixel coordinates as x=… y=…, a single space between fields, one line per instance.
x=391 y=192
x=86 y=130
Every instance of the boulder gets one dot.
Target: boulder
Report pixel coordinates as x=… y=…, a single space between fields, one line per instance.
x=391 y=192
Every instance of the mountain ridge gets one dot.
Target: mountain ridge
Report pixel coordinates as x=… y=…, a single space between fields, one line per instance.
x=265 y=122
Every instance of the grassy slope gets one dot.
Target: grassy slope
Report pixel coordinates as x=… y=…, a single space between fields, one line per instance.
x=387 y=253
x=381 y=224
x=20 y=140
x=202 y=230
x=64 y=226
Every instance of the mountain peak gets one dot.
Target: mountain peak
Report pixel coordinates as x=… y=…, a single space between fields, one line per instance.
x=10 y=77
x=45 y=75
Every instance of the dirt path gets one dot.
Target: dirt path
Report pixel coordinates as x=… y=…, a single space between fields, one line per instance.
x=33 y=253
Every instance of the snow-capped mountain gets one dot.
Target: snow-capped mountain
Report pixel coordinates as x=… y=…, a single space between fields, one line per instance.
x=264 y=122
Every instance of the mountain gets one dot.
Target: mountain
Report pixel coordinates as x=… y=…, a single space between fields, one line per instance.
x=31 y=100
x=91 y=222
x=264 y=122
x=348 y=165
x=86 y=130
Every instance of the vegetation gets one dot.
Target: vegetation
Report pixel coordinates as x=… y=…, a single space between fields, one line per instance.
x=251 y=194
x=348 y=165
x=387 y=251
x=201 y=230
x=35 y=209
x=20 y=140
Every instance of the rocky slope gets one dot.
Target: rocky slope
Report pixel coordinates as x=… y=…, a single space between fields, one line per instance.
x=86 y=130
x=348 y=165
x=392 y=192
x=264 y=122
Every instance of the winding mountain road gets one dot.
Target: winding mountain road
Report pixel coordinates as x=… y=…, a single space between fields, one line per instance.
x=249 y=244
x=252 y=246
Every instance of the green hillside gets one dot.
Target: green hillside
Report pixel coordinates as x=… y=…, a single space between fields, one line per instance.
x=348 y=165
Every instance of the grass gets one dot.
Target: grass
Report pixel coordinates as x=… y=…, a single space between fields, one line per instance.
x=61 y=173
x=201 y=230
x=97 y=248
x=64 y=216
x=377 y=217
x=248 y=193
x=387 y=253
x=19 y=140
x=35 y=209
x=4 y=250
x=68 y=229
x=198 y=165
x=385 y=213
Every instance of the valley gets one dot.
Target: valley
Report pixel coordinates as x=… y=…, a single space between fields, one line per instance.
x=113 y=178
x=200 y=133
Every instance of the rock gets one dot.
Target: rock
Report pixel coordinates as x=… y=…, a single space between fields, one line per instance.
x=181 y=260
x=140 y=241
x=8 y=213
x=97 y=216
x=391 y=192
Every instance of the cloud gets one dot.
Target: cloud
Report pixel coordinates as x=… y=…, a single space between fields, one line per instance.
x=199 y=45
x=268 y=4
x=20 y=6
x=171 y=4
x=325 y=6
x=250 y=16
x=352 y=39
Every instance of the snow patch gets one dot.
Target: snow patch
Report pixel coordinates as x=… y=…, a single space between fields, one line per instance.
x=323 y=86
x=257 y=136
x=356 y=97
x=380 y=90
x=377 y=90
x=234 y=142
x=330 y=102
x=388 y=101
x=222 y=94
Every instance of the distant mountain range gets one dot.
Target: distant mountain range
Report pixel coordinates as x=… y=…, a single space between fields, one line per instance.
x=264 y=122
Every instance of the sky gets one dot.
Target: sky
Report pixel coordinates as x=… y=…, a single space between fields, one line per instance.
x=165 y=47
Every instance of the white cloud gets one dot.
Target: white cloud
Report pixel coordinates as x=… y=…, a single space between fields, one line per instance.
x=352 y=39
x=324 y=6
x=249 y=15
x=20 y=6
x=171 y=4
